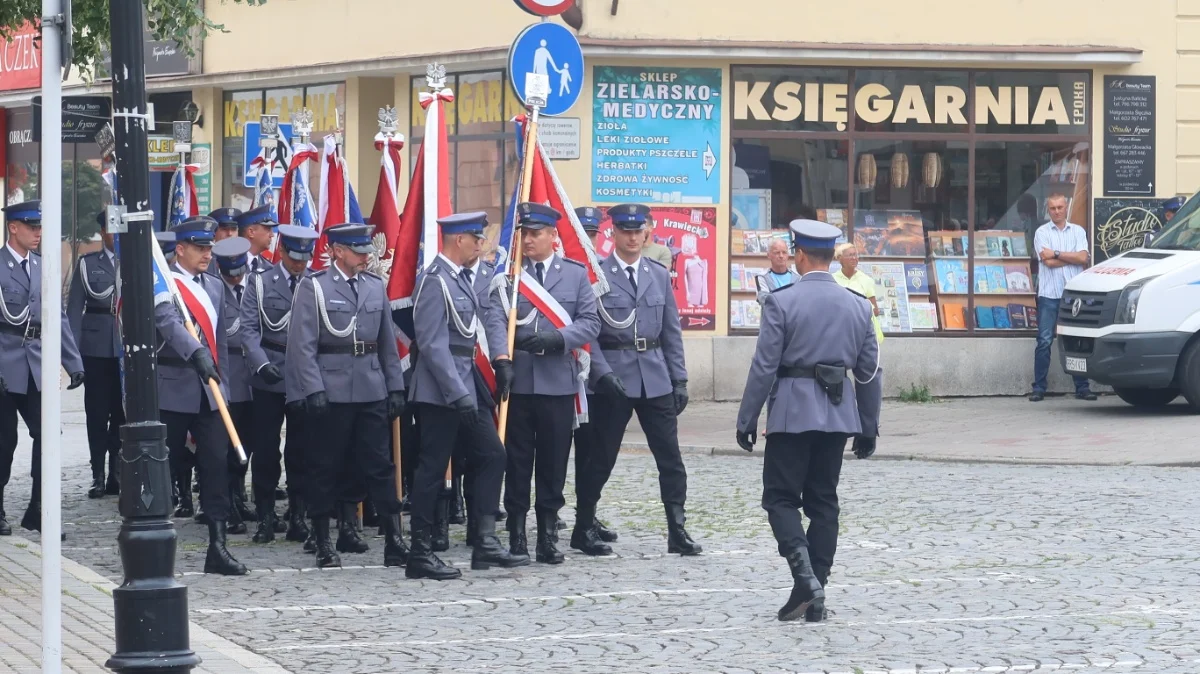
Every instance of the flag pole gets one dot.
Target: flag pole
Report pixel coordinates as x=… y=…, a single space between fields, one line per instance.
x=526 y=178
x=387 y=128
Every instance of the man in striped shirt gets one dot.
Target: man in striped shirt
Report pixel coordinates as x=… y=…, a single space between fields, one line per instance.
x=1062 y=250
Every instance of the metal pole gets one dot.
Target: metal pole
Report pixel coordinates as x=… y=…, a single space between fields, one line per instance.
x=151 y=606
x=51 y=336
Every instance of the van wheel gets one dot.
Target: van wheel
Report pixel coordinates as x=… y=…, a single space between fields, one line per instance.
x=1147 y=397
x=1187 y=373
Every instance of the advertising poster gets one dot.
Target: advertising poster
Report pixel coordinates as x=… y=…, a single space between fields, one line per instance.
x=1122 y=224
x=891 y=294
x=202 y=156
x=656 y=135
x=691 y=236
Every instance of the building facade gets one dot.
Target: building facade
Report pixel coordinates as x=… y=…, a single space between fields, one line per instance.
x=933 y=138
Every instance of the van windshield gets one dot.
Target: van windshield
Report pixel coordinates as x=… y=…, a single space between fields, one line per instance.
x=1181 y=233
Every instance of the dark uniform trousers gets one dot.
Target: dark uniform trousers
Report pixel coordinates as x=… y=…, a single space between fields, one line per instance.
x=801 y=470
x=269 y=411
x=539 y=443
x=349 y=443
x=29 y=406
x=588 y=457
x=410 y=447
x=609 y=417
x=442 y=433
x=102 y=406
x=212 y=454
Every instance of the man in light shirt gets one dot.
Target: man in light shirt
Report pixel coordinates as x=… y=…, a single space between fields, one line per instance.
x=1062 y=250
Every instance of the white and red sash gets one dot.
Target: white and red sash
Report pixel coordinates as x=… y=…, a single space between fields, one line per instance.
x=544 y=302
x=200 y=306
x=483 y=361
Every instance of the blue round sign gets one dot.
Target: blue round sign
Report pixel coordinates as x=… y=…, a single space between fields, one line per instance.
x=552 y=50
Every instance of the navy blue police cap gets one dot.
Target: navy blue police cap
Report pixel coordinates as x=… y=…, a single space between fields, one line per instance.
x=166 y=241
x=589 y=217
x=353 y=235
x=298 y=242
x=28 y=212
x=532 y=215
x=472 y=222
x=226 y=217
x=1174 y=204
x=629 y=217
x=199 y=230
x=813 y=234
x=233 y=255
x=257 y=216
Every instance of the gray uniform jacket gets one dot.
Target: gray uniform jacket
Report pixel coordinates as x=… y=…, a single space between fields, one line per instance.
x=343 y=376
x=236 y=369
x=648 y=372
x=20 y=358
x=259 y=314
x=815 y=321
x=179 y=386
x=443 y=372
x=92 y=306
x=556 y=374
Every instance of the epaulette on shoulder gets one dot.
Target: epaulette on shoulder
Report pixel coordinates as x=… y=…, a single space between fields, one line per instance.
x=577 y=263
x=315 y=274
x=783 y=287
x=855 y=292
x=650 y=259
x=372 y=275
x=433 y=268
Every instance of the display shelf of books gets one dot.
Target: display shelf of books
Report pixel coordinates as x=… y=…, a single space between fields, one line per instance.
x=748 y=261
x=1002 y=285
x=891 y=250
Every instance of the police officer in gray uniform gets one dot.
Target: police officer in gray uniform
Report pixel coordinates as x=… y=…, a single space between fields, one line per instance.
x=233 y=263
x=21 y=351
x=185 y=402
x=92 y=311
x=227 y=223
x=641 y=342
x=266 y=315
x=815 y=336
x=343 y=362
x=547 y=379
x=257 y=225
x=454 y=405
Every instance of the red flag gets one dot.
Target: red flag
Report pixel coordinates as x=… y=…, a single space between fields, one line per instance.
x=334 y=197
x=384 y=214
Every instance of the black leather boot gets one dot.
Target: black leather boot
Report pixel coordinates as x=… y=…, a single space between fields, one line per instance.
x=488 y=552
x=245 y=512
x=348 y=540
x=395 y=552
x=440 y=541
x=236 y=524
x=603 y=532
x=297 y=530
x=807 y=592
x=422 y=563
x=5 y=527
x=113 y=486
x=97 y=488
x=518 y=543
x=218 y=560
x=266 y=522
x=585 y=537
x=326 y=557
x=814 y=613
x=183 y=496
x=547 y=538
x=458 y=512
x=470 y=530
x=678 y=541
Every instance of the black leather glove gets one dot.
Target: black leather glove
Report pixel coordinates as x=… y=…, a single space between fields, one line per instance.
x=202 y=361
x=681 y=396
x=610 y=384
x=317 y=404
x=465 y=406
x=76 y=381
x=395 y=402
x=504 y=377
x=270 y=374
x=295 y=407
x=863 y=447
x=548 y=342
x=746 y=439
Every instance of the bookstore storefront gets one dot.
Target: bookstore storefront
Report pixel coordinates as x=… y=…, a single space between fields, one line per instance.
x=938 y=178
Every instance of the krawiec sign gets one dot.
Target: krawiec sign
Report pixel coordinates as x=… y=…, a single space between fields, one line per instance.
x=874 y=103
x=21 y=60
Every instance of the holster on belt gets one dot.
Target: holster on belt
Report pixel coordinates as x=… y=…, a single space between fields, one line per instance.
x=832 y=379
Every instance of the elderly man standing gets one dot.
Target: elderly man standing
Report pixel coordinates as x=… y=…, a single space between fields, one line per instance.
x=780 y=275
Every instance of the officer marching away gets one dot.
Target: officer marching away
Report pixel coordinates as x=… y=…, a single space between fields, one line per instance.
x=454 y=406
x=227 y=223
x=641 y=342
x=342 y=360
x=590 y=537
x=257 y=226
x=233 y=263
x=815 y=336
x=21 y=352
x=186 y=403
x=266 y=316
x=549 y=367
x=92 y=312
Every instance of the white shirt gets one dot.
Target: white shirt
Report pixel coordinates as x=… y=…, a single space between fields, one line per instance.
x=446 y=261
x=341 y=271
x=112 y=257
x=18 y=257
x=1070 y=239
x=636 y=264
x=546 y=264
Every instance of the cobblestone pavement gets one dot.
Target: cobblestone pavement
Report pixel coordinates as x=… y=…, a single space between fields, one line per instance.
x=941 y=568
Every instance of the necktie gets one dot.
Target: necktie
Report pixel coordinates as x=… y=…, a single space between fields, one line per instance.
x=237 y=291
x=632 y=280
x=292 y=280
x=199 y=278
x=353 y=286
x=540 y=268
x=467 y=276
x=25 y=267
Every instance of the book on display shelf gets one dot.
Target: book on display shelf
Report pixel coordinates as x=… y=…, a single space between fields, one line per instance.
x=953 y=316
x=1016 y=316
x=984 y=318
x=1000 y=318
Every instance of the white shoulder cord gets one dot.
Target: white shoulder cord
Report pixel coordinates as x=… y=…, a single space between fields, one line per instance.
x=273 y=326
x=320 y=297
x=465 y=331
x=19 y=319
x=878 y=364
x=615 y=324
x=233 y=329
x=501 y=281
x=92 y=293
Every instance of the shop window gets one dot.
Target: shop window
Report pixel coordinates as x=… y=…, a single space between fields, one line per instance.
x=21 y=182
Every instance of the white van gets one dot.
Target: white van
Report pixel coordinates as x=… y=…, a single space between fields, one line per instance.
x=1131 y=321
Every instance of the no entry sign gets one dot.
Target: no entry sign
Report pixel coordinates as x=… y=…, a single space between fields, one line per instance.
x=545 y=7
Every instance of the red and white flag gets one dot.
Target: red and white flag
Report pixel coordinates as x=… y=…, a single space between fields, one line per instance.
x=336 y=203
x=200 y=306
x=385 y=214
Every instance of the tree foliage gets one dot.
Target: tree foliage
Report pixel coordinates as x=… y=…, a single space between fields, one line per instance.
x=182 y=21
